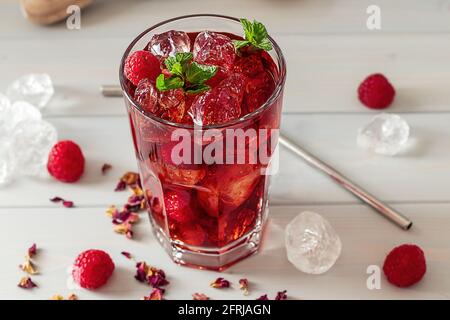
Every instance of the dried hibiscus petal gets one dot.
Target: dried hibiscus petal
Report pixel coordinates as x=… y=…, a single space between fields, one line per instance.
x=127 y=255
x=28 y=266
x=26 y=283
x=135 y=203
x=220 y=283
x=281 y=295
x=157 y=280
x=199 y=296
x=263 y=297
x=128 y=179
x=243 y=284
x=65 y=203
x=32 y=250
x=151 y=275
x=156 y=294
x=72 y=296
x=120 y=186
x=60 y=297
x=105 y=168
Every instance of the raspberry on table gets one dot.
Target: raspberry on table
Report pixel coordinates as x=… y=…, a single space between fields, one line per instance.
x=376 y=92
x=405 y=265
x=140 y=65
x=92 y=269
x=66 y=161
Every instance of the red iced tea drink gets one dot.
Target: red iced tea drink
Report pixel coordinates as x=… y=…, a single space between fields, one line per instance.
x=204 y=109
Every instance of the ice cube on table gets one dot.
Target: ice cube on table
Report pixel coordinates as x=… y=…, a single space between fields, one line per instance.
x=7 y=163
x=18 y=112
x=385 y=134
x=4 y=109
x=168 y=43
x=31 y=144
x=4 y=102
x=35 y=88
x=212 y=48
x=221 y=104
x=312 y=245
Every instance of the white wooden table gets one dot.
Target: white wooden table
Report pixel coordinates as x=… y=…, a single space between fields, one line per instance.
x=328 y=50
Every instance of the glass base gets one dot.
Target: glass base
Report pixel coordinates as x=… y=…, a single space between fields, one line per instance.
x=217 y=259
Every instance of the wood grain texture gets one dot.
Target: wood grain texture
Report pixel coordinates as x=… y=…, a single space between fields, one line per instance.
x=366 y=240
x=323 y=71
x=419 y=174
x=328 y=50
x=282 y=17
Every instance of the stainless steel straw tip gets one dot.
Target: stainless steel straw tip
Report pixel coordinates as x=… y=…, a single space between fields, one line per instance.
x=391 y=214
x=111 y=90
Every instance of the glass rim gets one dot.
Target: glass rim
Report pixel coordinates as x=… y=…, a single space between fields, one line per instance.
x=273 y=97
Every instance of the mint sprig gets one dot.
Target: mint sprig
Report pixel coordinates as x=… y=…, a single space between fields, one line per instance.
x=186 y=74
x=255 y=35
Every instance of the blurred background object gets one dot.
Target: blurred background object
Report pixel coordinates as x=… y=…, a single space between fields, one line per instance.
x=49 y=11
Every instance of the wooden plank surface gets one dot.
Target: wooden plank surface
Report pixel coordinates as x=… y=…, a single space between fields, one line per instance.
x=323 y=71
x=63 y=233
x=407 y=177
x=328 y=50
x=108 y=18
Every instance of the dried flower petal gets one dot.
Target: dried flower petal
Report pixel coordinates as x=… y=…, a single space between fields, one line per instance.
x=124 y=228
x=60 y=297
x=26 y=283
x=110 y=212
x=127 y=254
x=141 y=271
x=130 y=179
x=157 y=280
x=263 y=297
x=135 y=203
x=65 y=203
x=243 y=284
x=220 y=283
x=56 y=199
x=28 y=266
x=68 y=204
x=105 y=168
x=32 y=250
x=120 y=186
x=200 y=296
x=72 y=296
x=156 y=294
x=281 y=295
x=151 y=275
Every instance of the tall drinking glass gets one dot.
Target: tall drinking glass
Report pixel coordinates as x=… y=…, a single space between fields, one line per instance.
x=207 y=214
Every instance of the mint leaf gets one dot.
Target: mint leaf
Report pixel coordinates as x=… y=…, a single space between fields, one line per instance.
x=177 y=69
x=163 y=83
x=255 y=35
x=176 y=65
x=185 y=74
x=248 y=28
x=197 y=88
x=184 y=57
x=240 y=43
x=199 y=73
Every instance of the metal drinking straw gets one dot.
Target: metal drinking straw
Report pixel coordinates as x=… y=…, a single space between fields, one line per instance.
x=391 y=214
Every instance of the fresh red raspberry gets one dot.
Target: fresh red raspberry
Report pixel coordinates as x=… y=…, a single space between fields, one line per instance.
x=376 y=92
x=92 y=269
x=177 y=205
x=141 y=64
x=405 y=265
x=66 y=161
